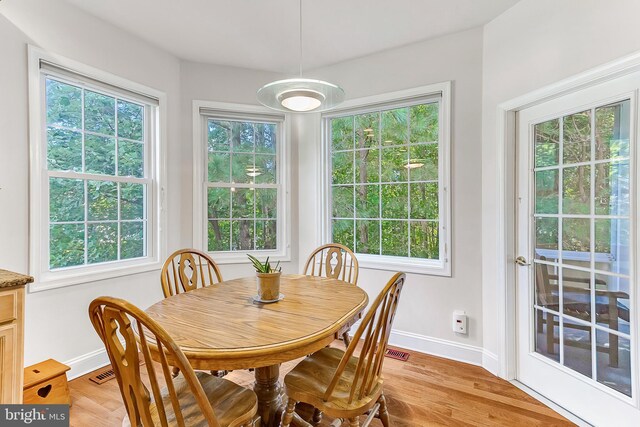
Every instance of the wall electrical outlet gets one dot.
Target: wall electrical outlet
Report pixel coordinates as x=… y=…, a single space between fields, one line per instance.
x=459 y=322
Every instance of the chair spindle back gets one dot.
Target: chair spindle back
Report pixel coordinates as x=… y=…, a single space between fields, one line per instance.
x=111 y=318
x=335 y=261
x=374 y=329
x=186 y=270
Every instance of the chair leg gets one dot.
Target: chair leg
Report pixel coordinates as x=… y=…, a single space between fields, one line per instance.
x=550 y=332
x=613 y=338
x=288 y=414
x=383 y=414
x=540 y=320
x=354 y=422
x=346 y=339
x=613 y=350
x=317 y=417
x=175 y=371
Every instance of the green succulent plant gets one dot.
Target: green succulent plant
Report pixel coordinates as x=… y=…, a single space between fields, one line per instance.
x=264 y=267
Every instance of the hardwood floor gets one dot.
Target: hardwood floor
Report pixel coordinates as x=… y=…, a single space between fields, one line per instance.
x=424 y=391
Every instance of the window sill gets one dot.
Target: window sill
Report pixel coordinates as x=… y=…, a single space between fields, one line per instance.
x=60 y=279
x=405 y=265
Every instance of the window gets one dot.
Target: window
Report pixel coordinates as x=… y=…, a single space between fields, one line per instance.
x=388 y=183
x=96 y=145
x=243 y=194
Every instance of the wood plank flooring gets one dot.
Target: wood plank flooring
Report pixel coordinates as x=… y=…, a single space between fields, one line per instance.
x=424 y=391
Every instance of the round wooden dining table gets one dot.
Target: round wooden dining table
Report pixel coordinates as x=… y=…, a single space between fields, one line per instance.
x=220 y=327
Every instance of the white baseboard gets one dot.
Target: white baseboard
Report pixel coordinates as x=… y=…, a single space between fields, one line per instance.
x=86 y=363
x=411 y=341
x=437 y=347
x=490 y=362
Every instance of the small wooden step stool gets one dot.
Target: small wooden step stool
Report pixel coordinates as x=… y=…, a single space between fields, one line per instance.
x=46 y=383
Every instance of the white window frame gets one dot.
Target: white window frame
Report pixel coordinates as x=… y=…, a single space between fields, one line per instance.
x=155 y=167
x=442 y=266
x=205 y=110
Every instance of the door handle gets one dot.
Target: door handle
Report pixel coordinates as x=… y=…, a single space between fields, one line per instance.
x=520 y=260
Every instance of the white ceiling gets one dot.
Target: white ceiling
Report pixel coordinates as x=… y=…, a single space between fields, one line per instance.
x=263 y=34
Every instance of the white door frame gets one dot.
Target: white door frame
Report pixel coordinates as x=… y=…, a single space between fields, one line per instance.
x=506 y=130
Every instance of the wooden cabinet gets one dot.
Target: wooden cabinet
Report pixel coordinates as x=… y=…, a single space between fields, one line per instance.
x=12 y=335
x=9 y=369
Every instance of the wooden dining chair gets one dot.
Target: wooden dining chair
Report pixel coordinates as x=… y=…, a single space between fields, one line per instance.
x=188 y=269
x=335 y=261
x=340 y=384
x=191 y=399
x=576 y=291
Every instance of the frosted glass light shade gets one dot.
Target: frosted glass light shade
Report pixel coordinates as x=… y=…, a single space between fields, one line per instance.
x=300 y=95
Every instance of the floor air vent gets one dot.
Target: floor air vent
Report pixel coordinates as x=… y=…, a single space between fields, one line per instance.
x=106 y=374
x=397 y=354
x=103 y=376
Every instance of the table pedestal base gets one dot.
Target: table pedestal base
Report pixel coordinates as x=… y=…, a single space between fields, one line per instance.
x=269 y=392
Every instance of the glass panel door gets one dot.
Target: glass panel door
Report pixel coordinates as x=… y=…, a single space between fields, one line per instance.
x=582 y=244
x=577 y=324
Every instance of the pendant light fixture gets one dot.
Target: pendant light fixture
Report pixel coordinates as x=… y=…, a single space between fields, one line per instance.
x=299 y=94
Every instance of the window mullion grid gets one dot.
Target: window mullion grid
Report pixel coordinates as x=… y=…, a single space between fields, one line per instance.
x=379 y=181
x=85 y=183
x=255 y=223
x=592 y=247
x=119 y=222
x=99 y=177
x=232 y=187
x=231 y=191
x=240 y=185
x=587 y=163
x=252 y=185
x=148 y=152
x=117 y=172
x=355 y=150
x=86 y=221
x=407 y=144
x=82 y=131
x=353 y=156
x=419 y=181
x=560 y=243
x=85 y=177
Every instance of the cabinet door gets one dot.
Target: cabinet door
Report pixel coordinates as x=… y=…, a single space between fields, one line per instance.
x=8 y=372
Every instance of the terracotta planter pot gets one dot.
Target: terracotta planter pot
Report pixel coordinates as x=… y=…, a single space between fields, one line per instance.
x=268 y=286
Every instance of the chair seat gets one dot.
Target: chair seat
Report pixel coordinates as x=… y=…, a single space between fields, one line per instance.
x=580 y=303
x=310 y=379
x=233 y=405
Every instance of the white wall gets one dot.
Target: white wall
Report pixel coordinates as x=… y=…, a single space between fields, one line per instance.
x=218 y=83
x=531 y=45
x=427 y=302
x=57 y=324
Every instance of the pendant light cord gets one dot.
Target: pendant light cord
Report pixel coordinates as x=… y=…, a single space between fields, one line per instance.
x=300 y=9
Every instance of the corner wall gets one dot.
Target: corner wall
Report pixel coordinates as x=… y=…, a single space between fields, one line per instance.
x=533 y=44
x=205 y=82
x=424 y=316
x=57 y=323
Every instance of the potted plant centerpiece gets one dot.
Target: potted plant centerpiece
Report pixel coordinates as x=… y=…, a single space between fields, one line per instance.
x=268 y=280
